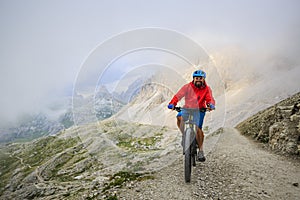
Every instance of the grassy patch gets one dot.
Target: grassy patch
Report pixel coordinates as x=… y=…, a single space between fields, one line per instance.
x=46 y=148
x=26 y=157
x=7 y=166
x=138 y=144
x=119 y=179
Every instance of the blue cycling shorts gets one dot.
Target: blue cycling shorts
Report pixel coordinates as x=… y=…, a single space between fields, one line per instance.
x=198 y=116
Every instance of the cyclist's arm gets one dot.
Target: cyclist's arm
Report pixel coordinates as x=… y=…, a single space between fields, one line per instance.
x=209 y=97
x=178 y=96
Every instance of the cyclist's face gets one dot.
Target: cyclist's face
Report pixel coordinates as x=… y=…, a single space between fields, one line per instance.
x=198 y=81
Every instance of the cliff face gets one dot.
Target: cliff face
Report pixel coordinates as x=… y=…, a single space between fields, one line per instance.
x=277 y=126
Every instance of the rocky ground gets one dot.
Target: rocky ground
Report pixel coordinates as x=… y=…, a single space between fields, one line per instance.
x=278 y=126
x=236 y=168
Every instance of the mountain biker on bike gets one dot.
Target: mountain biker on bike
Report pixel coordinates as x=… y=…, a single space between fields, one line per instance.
x=198 y=95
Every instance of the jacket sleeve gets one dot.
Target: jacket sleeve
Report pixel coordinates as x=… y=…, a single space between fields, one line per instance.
x=177 y=97
x=209 y=97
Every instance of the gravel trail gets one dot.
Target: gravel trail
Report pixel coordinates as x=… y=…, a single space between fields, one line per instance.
x=236 y=168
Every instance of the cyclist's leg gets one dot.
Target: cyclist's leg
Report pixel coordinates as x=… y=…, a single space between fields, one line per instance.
x=200 y=138
x=180 y=124
x=180 y=121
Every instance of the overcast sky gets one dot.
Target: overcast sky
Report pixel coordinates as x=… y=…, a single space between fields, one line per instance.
x=44 y=43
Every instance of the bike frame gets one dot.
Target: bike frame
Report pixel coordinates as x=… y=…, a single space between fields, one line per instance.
x=189 y=144
x=189 y=127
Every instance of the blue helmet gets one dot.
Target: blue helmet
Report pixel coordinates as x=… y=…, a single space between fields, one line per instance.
x=199 y=73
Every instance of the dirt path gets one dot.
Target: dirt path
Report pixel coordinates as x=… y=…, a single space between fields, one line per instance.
x=236 y=168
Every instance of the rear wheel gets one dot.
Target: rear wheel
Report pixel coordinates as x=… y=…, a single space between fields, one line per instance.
x=187 y=156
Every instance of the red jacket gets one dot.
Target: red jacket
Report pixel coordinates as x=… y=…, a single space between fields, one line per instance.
x=194 y=97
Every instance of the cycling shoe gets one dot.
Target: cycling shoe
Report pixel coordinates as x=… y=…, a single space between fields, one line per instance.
x=201 y=157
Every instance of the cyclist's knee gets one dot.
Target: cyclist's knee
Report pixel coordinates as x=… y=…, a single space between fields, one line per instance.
x=179 y=118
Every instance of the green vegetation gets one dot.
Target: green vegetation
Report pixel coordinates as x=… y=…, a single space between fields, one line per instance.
x=45 y=148
x=112 y=197
x=58 y=160
x=206 y=128
x=139 y=165
x=22 y=159
x=138 y=144
x=7 y=166
x=119 y=179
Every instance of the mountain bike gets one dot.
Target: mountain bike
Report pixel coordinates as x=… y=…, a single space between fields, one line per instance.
x=189 y=143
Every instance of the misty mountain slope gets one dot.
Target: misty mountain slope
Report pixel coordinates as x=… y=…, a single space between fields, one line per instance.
x=258 y=79
x=245 y=100
x=38 y=166
x=254 y=83
x=91 y=107
x=31 y=127
x=82 y=159
x=148 y=107
x=87 y=108
x=121 y=141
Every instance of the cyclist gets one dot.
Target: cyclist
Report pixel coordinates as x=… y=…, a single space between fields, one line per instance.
x=198 y=95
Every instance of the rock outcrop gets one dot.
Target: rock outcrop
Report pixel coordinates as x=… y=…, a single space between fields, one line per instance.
x=277 y=126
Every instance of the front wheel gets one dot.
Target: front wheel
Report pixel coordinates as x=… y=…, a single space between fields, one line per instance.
x=194 y=152
x=187 y=156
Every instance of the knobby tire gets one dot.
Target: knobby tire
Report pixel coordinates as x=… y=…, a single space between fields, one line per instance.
x=187 y=156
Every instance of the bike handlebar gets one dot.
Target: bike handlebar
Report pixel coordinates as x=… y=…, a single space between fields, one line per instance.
x=178 y=109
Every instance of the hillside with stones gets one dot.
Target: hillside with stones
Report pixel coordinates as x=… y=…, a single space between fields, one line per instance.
x=82 y=161
x=277 y=126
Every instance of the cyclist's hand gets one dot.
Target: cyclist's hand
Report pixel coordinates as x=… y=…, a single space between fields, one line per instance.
x=211 y=107
x=171 y=106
